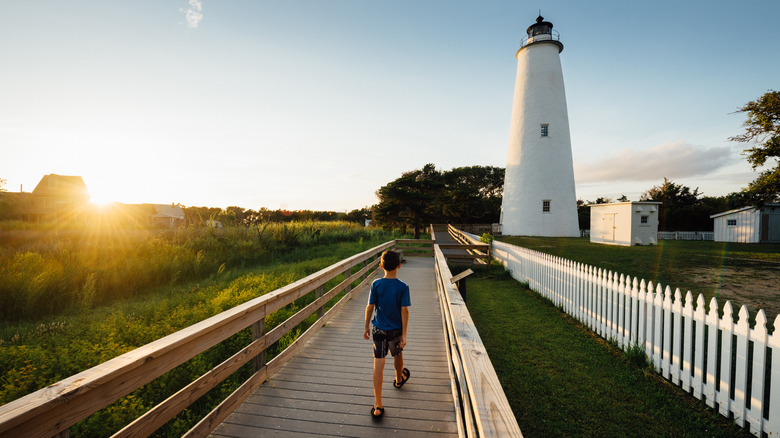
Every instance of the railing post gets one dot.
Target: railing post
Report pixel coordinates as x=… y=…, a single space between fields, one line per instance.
x=317 y=295
x=258 y=330
x=348 y=289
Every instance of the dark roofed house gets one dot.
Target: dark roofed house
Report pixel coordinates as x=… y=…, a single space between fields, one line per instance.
x=166 y=215
x=59 y=197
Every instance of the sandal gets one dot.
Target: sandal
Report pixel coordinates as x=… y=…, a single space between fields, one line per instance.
x=381 y=412
x=406 y=375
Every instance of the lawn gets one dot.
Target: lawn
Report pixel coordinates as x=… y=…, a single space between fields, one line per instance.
x=561 y=380
x=746 y=274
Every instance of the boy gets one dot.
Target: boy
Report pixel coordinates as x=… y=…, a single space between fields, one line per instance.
x=390 y=298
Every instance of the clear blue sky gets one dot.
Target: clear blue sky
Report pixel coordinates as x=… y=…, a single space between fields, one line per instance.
x=316 y=104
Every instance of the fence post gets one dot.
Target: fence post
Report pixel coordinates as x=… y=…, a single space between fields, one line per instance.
x=348 y=289
x=773 y=423
x=711 y=367
x=667 y=329
x=724 y=394
x=742 y=330
x=258 y=330
x=317 y=295
x=755 y=415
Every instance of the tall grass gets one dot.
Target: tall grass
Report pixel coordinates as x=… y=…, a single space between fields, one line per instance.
x=43 y=271
x=36 y=353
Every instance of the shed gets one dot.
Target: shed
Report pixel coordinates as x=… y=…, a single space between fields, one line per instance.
x=624 y=223
x=749 y=225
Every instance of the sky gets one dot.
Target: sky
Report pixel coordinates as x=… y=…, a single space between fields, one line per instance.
x=316 y=104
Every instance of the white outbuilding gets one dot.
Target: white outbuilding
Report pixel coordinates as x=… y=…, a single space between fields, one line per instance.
x=749 y=225
x=624 y=223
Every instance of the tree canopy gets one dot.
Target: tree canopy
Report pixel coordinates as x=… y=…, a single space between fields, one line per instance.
x=683 y=209
x=423 y=196
x=762 y=128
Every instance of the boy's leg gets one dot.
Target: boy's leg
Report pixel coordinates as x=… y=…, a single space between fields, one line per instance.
x=398 y=363
x=379 y=366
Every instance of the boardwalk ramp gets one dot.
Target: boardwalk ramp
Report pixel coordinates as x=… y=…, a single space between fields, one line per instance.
x=327 y=388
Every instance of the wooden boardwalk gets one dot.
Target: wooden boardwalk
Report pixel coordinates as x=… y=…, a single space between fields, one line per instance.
x=327 y=390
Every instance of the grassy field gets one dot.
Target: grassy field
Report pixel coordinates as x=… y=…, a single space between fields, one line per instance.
x=38 y=351
x=746 y=274
x=47 y=269
x=563 y=381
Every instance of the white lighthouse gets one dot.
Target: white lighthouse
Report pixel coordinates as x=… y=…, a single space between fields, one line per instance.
x=539 y=197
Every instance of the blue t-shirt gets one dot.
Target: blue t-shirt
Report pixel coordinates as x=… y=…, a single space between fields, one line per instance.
x=388 y=295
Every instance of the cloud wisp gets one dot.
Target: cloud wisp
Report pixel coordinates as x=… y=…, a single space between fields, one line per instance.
x=672 y=160
x=194 y=13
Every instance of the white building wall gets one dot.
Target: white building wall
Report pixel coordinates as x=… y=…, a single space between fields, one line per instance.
x=746 y=229
x=621 y=223
x=539 y=168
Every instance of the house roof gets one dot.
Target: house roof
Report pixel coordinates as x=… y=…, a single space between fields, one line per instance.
x=61 y=185
x=165 y=210
x=740 y=209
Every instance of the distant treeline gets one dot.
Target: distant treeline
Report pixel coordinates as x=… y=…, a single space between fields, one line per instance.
x=246 y=217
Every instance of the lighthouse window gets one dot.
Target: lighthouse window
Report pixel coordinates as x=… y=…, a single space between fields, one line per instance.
x=644 y=219
x=546 y=206
x=545 y=130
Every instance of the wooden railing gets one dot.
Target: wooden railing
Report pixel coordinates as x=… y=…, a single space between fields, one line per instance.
x=53 y=410
x=481 y=406
x=426 y=249
x=475 y=249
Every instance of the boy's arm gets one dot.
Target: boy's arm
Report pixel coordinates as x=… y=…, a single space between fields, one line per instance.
x=369 y=312
x=405 y=321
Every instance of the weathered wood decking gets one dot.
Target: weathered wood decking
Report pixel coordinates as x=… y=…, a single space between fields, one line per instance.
x=327 y=390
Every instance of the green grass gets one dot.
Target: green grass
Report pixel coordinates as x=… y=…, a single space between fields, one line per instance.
x=563 y=381
x=38 y=352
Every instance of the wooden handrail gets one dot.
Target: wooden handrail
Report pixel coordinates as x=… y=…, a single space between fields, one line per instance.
x=483 y=410
x=54 y=409
x=475 y=247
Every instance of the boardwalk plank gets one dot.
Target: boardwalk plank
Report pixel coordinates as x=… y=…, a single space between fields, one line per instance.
x=327 y=389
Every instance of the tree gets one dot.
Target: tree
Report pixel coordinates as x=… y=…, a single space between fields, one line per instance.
x=472 y=195
x=359 y=215
x=762 y=128
x=409 y=200
x=2 y=184
x=424 y=196
x=681 y=208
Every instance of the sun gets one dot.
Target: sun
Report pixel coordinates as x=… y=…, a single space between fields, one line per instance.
x=101 y=198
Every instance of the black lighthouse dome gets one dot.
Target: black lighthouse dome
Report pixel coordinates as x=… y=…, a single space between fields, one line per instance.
x=541 y=32
x=539 y=28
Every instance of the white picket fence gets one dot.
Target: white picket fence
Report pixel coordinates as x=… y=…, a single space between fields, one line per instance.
x=686 y=235
x=728 y=365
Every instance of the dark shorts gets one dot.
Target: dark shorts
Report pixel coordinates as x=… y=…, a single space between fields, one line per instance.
x=386 y=340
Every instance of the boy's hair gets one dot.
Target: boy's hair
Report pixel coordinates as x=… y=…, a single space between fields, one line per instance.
x=390 y=260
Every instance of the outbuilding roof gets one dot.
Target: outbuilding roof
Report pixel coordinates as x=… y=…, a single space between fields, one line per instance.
x=737 y=210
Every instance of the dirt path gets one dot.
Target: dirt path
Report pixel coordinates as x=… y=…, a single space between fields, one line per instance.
x=756 y=286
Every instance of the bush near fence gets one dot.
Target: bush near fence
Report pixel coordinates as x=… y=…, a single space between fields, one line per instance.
x=700 y=349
